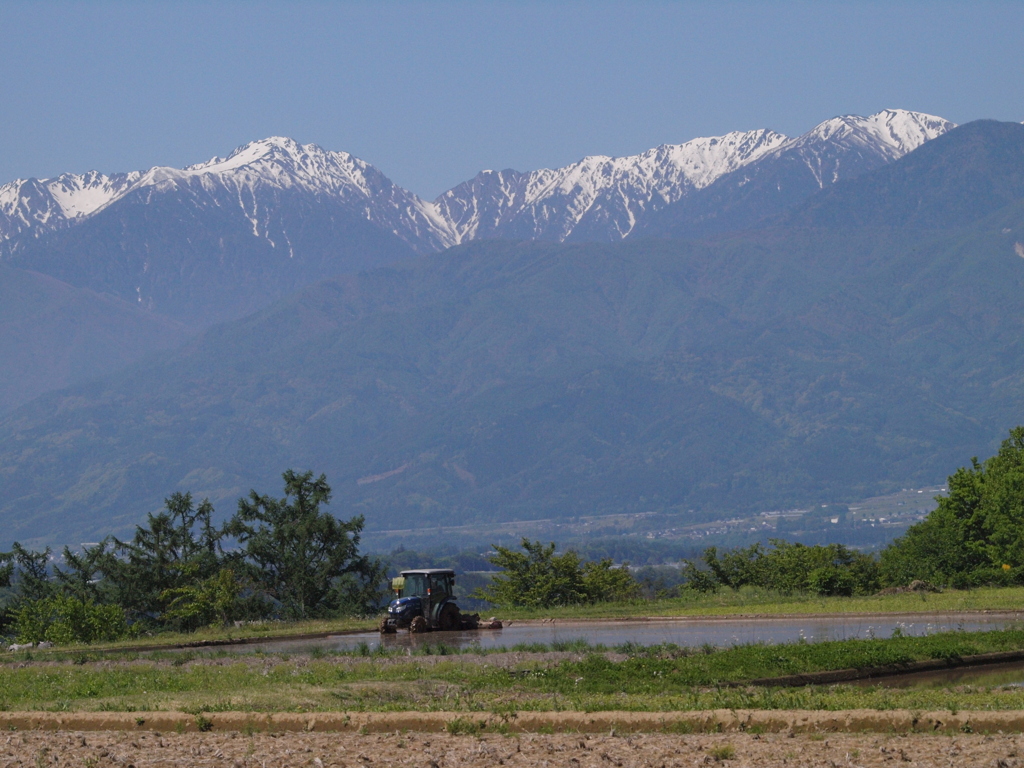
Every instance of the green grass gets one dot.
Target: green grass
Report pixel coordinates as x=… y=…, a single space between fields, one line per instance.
x=656 y=678
x=751 y=600
x=262 y=631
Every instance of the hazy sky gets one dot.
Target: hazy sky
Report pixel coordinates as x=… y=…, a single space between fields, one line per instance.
x=433 y=92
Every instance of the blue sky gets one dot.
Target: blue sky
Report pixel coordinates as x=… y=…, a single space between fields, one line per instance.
x=433 y=92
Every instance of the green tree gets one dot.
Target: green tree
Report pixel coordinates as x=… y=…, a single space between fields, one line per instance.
x=304 y=557
x=176 y=547
x=735 y=568
x=215 y=600
x=24 y=578
x=832 y=569
x=976 y=535
x=537 y=577
x=605 y=583
x=26 y=573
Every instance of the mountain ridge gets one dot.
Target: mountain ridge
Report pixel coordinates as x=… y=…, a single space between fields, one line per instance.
x=599 y=197
x=837 y=149
x=507 y=381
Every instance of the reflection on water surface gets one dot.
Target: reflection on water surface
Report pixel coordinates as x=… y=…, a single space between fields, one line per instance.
x=719 y=632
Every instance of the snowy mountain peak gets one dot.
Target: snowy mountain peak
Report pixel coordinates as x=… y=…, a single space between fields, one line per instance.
x=278 y=161
x=598 y=197
x=33 y=205
x=279 y=146
x=251 y=175
x=894 y=132
x=851 y=144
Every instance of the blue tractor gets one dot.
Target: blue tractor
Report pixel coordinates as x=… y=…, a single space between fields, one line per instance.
x=425 y=601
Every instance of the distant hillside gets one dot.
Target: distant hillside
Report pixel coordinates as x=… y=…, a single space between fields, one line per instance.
x=499 y=381
x=950 y=182
x=859 y=345
x=53 y=335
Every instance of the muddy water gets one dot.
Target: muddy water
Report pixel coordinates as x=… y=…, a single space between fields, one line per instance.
x=988 y=676
x=719 y=632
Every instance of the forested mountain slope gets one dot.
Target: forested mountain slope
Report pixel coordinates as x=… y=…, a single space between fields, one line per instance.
x=817 y=359
x=53 y=335
x=500 y=381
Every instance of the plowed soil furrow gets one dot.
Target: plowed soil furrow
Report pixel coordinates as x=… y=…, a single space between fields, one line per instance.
x=148 y=749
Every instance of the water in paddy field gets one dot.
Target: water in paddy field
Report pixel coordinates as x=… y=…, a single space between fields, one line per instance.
x=720 y=632
x=1010 y=674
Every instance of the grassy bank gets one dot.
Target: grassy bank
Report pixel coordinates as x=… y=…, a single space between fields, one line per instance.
x=750 y=600
x=247 y=632
x=572 y=676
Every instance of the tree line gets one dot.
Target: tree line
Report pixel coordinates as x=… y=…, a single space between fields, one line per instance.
x=289 y=559
x=975 y=537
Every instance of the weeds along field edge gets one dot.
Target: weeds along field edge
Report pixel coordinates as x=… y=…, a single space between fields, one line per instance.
x=571 y=676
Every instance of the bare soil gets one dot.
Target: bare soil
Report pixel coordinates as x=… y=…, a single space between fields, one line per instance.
x=111 y=749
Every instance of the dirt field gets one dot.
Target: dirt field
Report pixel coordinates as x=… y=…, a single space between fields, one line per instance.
x=433 y=750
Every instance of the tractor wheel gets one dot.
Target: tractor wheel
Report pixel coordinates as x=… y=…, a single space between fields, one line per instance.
x=418 y=625
x=386 y=628
x=448 y=619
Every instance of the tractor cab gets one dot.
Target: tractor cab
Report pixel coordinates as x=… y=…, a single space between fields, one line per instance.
x=424 y=600
x=435 y=584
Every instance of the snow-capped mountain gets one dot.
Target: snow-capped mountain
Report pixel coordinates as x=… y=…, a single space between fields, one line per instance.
x=599 y=197
x=840 y=148
x=283 y=164
x=830 y=147
x=274 y=165
x=34 y=206
x=220 y=238
x=596 y=198
x=608 y=198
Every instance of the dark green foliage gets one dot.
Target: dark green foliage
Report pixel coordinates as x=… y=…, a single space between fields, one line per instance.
x=177 y=547
x=303 y=557
x=538 y=578
x=24 y=577
x=26 y=572
x=215 y=600
x=175 y=574
x=976 y=536
x=62 y=619
x=827 y=570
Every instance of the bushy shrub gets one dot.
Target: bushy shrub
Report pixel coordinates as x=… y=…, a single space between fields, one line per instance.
x=831 y=581
x=62 y=620
x=828 y=570
x=212 y=601
x=538 y=578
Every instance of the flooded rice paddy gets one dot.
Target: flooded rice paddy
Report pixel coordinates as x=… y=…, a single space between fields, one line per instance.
x=696 y=632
